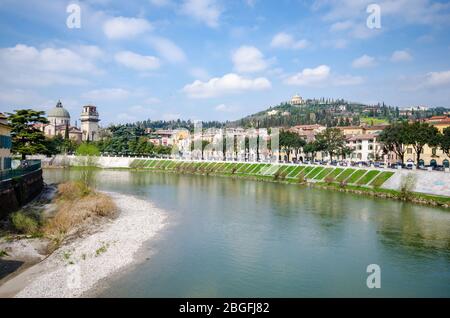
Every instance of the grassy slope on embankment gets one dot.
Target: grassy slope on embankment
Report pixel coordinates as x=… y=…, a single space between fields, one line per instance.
x=361 y=181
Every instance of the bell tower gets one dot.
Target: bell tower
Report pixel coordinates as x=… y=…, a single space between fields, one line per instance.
x=89 y=123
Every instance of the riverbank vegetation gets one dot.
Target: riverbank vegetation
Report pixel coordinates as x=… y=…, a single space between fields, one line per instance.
x=77 y=208
x=74 y=209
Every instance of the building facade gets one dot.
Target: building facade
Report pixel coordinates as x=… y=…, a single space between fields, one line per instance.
x=59 y=123
x=5 y=143
x=431 y=156
x=365 y=148
x=297 y=100
x=89 y=123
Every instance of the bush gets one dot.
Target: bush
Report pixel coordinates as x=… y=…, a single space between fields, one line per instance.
x=87 y=149
x=72 y=190
x=25 y=224
x=74 y=212
x=407 y=185
x=301 y=178
x=279 y=175
x=342 y=184
x=329 y=179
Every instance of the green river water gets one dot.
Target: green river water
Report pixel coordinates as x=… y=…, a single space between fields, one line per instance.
x=240 y=238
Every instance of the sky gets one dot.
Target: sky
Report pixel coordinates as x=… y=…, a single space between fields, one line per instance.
x=220 y=59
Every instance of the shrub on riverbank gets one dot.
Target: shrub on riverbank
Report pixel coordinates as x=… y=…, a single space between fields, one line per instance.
x=408 y=183
x=76 y=208
x=24 y=223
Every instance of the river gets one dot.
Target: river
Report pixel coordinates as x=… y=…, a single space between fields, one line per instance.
x=241 y=238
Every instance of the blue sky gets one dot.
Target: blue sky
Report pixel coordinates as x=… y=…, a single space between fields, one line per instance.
x=220 y=60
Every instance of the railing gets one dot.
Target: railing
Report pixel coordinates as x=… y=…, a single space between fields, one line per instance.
x=25 y=167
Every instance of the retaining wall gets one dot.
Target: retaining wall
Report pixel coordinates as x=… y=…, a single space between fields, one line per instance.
x=17 y=192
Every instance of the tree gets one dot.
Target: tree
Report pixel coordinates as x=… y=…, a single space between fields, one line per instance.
x=394 y=140
x=420 y=134
x=345 y=151
x=332 y=140
x=444 y=141
x=26 y=138
x=87 y=149
x=310 y=148
x=290 y=140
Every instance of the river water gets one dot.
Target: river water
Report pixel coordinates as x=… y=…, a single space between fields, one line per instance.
x=240 y=238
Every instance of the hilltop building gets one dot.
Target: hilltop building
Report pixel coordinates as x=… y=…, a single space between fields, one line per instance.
x=5 y=143
x=297 y=100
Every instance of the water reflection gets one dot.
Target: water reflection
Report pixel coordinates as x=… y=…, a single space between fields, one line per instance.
x=233 y=237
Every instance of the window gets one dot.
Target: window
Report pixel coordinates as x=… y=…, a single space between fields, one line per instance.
x=6 y=163
x=5 y=142
x=433 y=151
x=409 y=151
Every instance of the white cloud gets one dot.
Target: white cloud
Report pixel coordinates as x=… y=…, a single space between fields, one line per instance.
x=224 y=108
x=435 y=79
x=123 y=27
x=341 y=26
x=136 y=61
x=27 y=65
x=309 y=76
x=248 y=59
x=401 y=56
x=228 y=84
x=206 y=11
x=90 y=51
x=168 y=50
x=12 y=98
x=364 y=61
x=286 y=41
x=152 y=101
x=109 y=94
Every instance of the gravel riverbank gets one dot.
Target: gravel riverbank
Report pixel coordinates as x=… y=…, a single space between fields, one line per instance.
x=76 y=268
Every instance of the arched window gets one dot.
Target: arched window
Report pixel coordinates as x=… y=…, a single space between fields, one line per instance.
x=446 y=163
x=433 y=163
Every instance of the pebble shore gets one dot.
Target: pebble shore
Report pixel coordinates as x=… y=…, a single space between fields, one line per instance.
x=76 y=268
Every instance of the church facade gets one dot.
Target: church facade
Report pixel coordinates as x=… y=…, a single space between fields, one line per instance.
x=60 y=124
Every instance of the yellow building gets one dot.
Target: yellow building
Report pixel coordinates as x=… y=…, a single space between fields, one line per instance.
x=352 y=130
x=5 y=143
x=431 y=156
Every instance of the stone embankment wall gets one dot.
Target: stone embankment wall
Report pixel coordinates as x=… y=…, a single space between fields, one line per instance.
x=18 y=191
x=429 y=182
